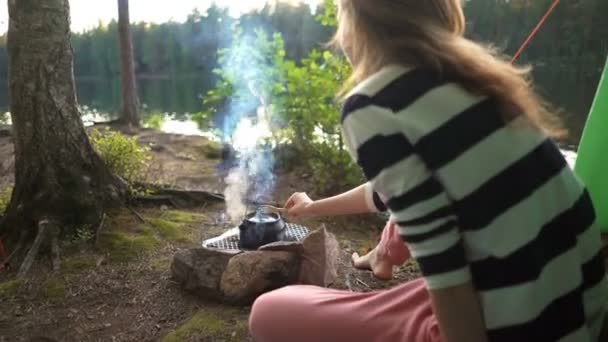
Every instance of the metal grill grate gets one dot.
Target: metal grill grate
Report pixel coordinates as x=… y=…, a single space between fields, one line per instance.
x=230 y=240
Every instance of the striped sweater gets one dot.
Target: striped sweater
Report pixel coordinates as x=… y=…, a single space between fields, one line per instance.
x=483 y=199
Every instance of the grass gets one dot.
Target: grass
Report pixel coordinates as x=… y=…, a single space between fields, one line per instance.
x=54 y=290
x=11 y=288
x=77 y=264
x=201 y=325
x=160 y=265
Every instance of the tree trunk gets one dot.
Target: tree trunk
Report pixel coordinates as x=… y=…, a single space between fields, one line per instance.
x=58 y=175
x=129 y=87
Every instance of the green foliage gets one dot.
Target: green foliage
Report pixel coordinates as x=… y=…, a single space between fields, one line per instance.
x=302 y=106
x=3 y=118
x=123 y=156
x=5 y=198
x=155 y=121
x=11 y=288
x=83 y=234
x=328 y=16
x=333 y=169
x=203 y=325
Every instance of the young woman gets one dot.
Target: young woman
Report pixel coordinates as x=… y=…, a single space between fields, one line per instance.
x=457 y=146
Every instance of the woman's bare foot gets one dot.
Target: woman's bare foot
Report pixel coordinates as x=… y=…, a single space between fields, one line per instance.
x=381 y=269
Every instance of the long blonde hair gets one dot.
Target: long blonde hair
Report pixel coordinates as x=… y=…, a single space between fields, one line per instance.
x=430 y=34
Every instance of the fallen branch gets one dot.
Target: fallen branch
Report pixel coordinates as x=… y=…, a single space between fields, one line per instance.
x=348 y=283
x=99 y=228
x=193 y=195
x=362 y=283
x=177 y=206
x=33 y=252
x=138 y=215
x=108 y=123
x=179 y=199
x=55 y=258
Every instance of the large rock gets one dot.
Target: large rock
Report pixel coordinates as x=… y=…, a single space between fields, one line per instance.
x=320 y=258
x=285 y=246
x=251 y=274
x=319 y=252
x=200 y=270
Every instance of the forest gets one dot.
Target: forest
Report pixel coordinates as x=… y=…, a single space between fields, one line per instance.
x=177 y=59
x=118 y=228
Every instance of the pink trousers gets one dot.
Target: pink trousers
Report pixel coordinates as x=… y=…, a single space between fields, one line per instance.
x=315 y=314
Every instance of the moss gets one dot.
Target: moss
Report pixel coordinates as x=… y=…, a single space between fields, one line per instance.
x=160 y=265
x=11 y=288
x=181 y=216
x=123 y=248
x=145 y=230
x=241 y=331
x=54 y=290
x=123 y=221
x=77 y=264
x=202 y=325
x=5 y=198
x=170 y=231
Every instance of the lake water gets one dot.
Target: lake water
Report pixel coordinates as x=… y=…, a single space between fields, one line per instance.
x=176 y=97
x=179 y=95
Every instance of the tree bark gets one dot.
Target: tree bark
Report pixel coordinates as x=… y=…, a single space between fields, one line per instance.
x=57 y=172
x=129 y=86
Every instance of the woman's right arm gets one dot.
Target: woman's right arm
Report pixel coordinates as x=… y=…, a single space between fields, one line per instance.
x=360 y=200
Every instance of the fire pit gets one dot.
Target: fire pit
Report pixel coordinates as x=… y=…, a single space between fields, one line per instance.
x=223 y=269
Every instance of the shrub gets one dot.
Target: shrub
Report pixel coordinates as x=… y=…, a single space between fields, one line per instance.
x=123 y=156
x=155 y=121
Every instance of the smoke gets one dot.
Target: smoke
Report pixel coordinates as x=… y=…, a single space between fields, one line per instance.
x=245 y=125
x=253 y=178
x=236 y=190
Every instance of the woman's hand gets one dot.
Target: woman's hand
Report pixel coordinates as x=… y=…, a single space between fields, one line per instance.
x=354 y=201
x=298 y=205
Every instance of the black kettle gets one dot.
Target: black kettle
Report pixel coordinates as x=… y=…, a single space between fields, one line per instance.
x=259 y=229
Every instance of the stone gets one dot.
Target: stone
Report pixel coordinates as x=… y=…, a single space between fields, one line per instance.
x=200 y=270
x=252 y=274
x=285 y=246
x=320 y=258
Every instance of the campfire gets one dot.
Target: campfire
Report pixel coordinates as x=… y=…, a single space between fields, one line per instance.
x=258 y=227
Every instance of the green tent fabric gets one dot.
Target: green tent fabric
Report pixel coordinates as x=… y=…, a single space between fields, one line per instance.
x=592 y=161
